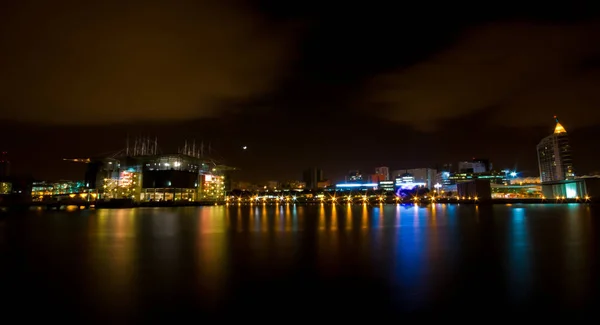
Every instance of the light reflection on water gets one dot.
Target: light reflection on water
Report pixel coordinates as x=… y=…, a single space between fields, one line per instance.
x=412 y=256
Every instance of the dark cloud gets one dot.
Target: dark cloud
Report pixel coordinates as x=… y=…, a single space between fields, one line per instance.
x=114 y=61
x=523 y=73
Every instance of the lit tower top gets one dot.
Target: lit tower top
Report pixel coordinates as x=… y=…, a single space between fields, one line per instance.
x=559 y=128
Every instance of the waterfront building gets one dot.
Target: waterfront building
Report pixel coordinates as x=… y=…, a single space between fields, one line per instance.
x=312 y=176
x=385 y=171
x=427 y=176
x=354 y=176
x=554 y=156
x=142 y=174
x=387 y=186
x=478 y=189
x=475 y=166
x=64 y=187
x=584 y=188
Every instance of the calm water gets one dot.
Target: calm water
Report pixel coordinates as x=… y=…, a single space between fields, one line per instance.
x=280 y=263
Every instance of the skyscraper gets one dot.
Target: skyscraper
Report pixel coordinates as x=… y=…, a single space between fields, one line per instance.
x=383 y=171
x=554 y=156
x=312 y=177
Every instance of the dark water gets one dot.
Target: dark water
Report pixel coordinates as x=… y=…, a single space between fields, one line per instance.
x=282 y=263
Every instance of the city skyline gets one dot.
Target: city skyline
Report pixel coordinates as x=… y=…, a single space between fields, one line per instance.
x=297 y=84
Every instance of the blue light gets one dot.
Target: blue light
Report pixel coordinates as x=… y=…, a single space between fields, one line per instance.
x=513 y=174
x=356 y=185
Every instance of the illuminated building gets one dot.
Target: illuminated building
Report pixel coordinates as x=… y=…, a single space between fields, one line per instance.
x=585 y=187
x=407 y=181
x=358 y=186
x=213 y=187
x=494 y=178
x=354 y=176
x=387 y=186
x=554 y=156
x=385 y=171
x=428 y=176
x=43 y=188
x=15 y=189
x=142 y=174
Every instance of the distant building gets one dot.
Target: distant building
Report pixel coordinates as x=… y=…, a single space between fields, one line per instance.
x=376 y=178
x=272 y=185
x=4 y=165
x=354 y=176
x=424 y=175
x=387 y=186
x=478 y=188
x=554 y=156
x=312 y=176
x=385 y=171
x=15 y=189
x=475 y=166
x=324 y=183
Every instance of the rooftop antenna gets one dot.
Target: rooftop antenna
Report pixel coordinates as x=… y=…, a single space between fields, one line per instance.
x=155 y=145
x=202 y=149
x=194 y=148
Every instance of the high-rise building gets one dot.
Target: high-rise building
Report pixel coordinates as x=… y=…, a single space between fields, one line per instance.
x=385 y=171
x=312 y=176
x=4 y=165
x=554 y=156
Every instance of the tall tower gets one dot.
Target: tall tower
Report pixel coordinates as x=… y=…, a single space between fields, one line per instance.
x=4 y=164
x=554 y=156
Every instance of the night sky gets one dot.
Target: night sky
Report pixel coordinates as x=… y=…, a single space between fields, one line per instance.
x=339 y=85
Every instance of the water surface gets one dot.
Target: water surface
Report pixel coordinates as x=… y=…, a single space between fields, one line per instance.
x=259 y=261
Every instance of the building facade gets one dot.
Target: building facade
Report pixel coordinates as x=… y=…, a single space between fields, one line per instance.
x=554 y=156
x=169 y=177
x=311 y=177
x=385 y=171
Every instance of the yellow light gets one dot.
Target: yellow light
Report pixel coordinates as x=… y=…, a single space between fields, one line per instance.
x=587 y=197
x=71 y=195
x=83 y=195
x=543 y=197
x=475 y=198
x=577 y=198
